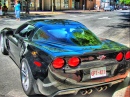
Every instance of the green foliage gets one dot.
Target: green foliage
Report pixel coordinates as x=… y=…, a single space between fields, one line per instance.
x=125 y=2
x=105 y=46
x=85 y=38
x=113 y=46
x=117 y=46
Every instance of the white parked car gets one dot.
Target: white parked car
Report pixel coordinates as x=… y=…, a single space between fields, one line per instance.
x=125 y=7
x=109 y=8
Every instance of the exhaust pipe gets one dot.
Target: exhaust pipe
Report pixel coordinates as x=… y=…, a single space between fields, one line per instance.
x=90 y=91
x=86 y=91
x=83 y=92
x=99 y=89
x=105 y=88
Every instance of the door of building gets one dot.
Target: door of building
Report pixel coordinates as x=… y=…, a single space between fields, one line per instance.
x=40 y=5
x=66 y=4
x=77 y=4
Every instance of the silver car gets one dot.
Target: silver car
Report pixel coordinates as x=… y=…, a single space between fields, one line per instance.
x=109 y=8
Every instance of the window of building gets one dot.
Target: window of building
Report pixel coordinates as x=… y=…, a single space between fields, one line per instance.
x=66 y=4
x=73 y=3
x=57 y=4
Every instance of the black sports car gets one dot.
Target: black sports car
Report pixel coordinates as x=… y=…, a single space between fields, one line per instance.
x=58 y=56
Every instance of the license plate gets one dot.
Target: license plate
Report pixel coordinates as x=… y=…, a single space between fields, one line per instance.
x=98 y=72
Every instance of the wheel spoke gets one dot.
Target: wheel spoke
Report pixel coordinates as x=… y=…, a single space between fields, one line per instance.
x=24 y=73
x=1 y=43
x=25 y=86
x=27 y=82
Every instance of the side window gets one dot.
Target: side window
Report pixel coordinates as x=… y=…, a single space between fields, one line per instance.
x=40 y=34
x=26 y=31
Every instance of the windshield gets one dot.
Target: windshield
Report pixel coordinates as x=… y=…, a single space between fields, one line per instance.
x=74 y=34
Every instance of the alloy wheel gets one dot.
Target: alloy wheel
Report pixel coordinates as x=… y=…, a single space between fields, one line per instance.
x=25 y=76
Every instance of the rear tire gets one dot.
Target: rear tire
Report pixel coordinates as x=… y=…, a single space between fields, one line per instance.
x=3 y=45
x=27 y=79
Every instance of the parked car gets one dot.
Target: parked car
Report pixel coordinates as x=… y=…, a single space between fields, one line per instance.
x=125 y=7
x=109 y=8
x=58 y=56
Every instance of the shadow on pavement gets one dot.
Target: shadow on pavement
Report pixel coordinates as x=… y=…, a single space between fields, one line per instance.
x=121 y=25
x=125 y=17
x=24 y=17
x=55 y=96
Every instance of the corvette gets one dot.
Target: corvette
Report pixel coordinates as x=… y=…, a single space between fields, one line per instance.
x=59 y=56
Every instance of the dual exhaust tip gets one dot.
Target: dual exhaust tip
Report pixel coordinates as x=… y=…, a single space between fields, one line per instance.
x=90 y=90
x=86 y=91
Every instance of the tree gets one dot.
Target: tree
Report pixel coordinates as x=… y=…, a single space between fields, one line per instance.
x=125 y=2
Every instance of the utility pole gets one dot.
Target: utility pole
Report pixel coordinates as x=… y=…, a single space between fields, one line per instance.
x=52 y=5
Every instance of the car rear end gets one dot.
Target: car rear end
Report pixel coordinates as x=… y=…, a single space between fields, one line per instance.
x=78 y=60
x=97 y=70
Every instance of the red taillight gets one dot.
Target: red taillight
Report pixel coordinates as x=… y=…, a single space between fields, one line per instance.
x=74 y=61
x=119 y=57
x=38 y=64
x=127 y=55
x=58 y=63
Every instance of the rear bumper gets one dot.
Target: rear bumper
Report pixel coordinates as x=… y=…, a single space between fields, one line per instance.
x=51 y=86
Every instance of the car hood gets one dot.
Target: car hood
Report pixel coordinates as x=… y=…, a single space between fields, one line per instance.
x=58 y=49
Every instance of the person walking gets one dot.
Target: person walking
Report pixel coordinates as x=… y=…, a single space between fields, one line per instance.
x=4 y=9
x=17 y=10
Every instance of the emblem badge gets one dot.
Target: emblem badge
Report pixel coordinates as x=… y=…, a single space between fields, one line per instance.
x=101 y=57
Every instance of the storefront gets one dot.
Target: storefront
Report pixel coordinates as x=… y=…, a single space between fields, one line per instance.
x=46 y=5
x=68 y=4
x=62 y=4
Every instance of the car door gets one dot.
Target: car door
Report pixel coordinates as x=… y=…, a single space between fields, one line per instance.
x=16 y=42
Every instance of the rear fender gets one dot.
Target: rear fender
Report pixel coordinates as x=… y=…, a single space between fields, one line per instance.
x=38 y=72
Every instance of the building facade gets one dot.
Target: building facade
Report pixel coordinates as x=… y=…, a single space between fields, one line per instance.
x=46 y=5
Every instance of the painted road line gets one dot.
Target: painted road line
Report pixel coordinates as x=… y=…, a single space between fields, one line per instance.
x=73 y=15
x=104 y=18
x=82 y=15
x=122 y=88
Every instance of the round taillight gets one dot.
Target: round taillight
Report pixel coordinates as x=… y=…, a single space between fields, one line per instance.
x=38 y=64
x=127 y=55
x=58 y=63
x=119 y=57
x=74 y=61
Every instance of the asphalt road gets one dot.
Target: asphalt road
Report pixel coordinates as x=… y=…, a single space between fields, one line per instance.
x=112 y=25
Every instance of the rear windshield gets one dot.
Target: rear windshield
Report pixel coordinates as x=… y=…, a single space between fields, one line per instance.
x=74 y=34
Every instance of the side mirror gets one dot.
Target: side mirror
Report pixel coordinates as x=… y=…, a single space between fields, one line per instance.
x=10 y=33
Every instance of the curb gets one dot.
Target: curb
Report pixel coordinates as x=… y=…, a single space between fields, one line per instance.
x=53 y=13
x=123 y=88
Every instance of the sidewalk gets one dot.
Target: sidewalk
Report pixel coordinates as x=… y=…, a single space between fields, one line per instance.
x=48 y=13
